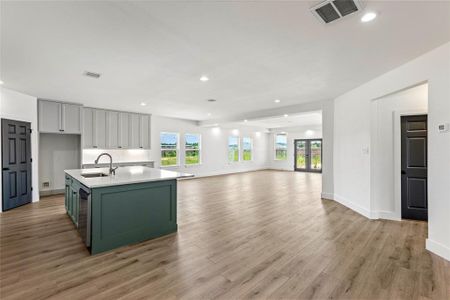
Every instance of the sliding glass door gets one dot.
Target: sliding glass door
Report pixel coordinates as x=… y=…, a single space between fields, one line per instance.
x=308 y=155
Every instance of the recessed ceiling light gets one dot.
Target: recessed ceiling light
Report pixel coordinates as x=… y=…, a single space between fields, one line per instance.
x=143 y=104
x=277 y=100
x=286 y=115
x=245 y=120
x=204 y=78
x=368 y=17
x=209 y=114
x=211 y=100
x=1 y=82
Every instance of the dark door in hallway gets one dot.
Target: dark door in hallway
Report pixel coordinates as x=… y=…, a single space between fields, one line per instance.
x=414 y=167
x=308 y=155
x=16 y=163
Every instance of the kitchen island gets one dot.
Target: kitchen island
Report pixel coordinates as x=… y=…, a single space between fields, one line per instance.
x=112 y=210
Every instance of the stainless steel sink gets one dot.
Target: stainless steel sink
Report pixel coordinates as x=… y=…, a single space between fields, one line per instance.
x=93 y=175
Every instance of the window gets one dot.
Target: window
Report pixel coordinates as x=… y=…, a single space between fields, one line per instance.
x=247 y=149
x=169 y=148
x=192 y=145
x=233 y=148
x=280 y=146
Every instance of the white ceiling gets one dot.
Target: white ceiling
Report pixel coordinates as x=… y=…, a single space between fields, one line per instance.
x=302 y=119
x=253 y=52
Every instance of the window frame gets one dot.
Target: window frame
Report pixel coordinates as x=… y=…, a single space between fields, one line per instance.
x=177 y=149
x=251 y=148
x=275 y=147
x=238 y=149
x=199 y=149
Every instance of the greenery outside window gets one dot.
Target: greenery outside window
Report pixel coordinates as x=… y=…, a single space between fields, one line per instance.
x=280 y=146
x=247 y=149
x=233 y=149
x=169 y=148
x=192 y=149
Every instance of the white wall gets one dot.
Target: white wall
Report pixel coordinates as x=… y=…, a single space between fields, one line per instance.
x=57 y=152
x=302 y=132
x=383 y=173
x=352 y=137
x=214 y=147
x=21 y=107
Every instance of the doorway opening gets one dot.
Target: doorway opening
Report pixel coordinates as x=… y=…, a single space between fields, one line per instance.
x=308 y=155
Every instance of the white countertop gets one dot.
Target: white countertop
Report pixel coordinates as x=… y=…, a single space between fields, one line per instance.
x=124 y=175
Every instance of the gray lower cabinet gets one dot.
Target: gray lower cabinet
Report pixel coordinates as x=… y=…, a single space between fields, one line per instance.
x=59 y=117
x=106 y=129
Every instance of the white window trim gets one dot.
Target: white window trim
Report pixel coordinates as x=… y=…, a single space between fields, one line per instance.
x=177 y=150
x=239 y=149
x=251 y=148
x=275 y=146
x=199 y=150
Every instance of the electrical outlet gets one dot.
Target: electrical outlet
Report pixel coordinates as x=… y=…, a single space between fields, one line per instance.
x=443 y=127
x=46 y=184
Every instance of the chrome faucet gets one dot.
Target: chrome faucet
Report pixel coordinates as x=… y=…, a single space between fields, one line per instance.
x=112 y=171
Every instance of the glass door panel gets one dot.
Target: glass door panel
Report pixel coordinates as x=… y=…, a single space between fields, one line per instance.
x=300 y=155
x=315 y=153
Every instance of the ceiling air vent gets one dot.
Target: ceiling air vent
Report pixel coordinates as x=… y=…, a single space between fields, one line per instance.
x=332 y=10
x=92 y=74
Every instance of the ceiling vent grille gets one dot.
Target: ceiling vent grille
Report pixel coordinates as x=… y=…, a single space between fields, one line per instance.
x=92 y=74
x=332 y=10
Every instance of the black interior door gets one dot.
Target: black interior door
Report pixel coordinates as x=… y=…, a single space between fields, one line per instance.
x=414 y=167
x=308 y=155
x=16 y=163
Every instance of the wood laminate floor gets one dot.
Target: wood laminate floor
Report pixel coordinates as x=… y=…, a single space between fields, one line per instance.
x=260 y=235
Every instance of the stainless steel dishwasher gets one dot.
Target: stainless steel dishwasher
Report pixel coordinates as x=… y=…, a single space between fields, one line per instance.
x=84 y=217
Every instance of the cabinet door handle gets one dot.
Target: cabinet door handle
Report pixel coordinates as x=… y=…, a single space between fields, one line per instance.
x=5 y=169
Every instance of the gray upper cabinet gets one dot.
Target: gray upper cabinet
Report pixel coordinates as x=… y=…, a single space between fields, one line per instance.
x=88 y=128
x=135 y=131
x=99 y=129
x=112 y=129
x=71 y=118
x=145 y=132
x=106 y=129
x=124 y=129
x=49 y=116
x=58 y=117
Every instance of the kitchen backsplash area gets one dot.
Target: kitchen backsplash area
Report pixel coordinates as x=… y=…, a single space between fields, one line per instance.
x=119 y=156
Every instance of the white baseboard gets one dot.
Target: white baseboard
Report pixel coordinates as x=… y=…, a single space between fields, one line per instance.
x=438 y=249
x=328 y=196
x=353 y=206
x=386 y=215
x=220 y=173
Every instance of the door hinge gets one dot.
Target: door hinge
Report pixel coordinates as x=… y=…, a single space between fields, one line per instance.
x=31 y=130
x=31 y=188
x=31 y=159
